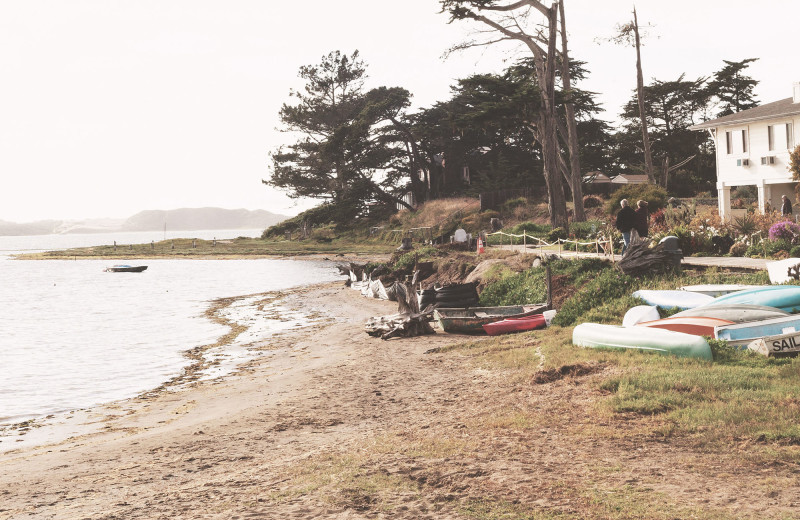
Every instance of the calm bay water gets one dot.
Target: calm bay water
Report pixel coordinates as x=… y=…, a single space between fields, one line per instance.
x=74 y=336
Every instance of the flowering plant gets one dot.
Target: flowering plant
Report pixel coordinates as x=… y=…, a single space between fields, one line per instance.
x=785 y=229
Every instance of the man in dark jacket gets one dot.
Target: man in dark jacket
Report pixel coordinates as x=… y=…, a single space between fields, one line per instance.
x=626 y=219
x=786 y=206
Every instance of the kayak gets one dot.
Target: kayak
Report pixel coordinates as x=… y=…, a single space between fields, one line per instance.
x=640 y=313
x=671 y=299
x=520 y=324
x=695 y=325
x=472 y=320
x=742 y=334
x=646 y=339
x=784 y=297
x=737 y=313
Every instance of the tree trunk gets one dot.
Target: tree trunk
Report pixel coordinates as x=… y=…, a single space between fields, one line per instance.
x=575 y=177
x=648 y=157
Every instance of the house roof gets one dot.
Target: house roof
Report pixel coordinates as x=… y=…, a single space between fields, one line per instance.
x=596 y=178
x=774 y=110
x=630 y=179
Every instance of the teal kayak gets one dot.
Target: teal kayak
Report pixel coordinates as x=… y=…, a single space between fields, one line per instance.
x=784 y=297
x=661 y=341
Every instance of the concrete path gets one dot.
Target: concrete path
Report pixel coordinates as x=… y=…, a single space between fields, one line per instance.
x=729 y=262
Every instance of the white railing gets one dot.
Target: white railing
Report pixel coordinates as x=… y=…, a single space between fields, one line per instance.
x=603 y=246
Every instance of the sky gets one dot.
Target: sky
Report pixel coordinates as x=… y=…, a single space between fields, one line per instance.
x=111 y=107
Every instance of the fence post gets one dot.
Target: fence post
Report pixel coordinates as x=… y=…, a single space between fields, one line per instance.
x=524 y=241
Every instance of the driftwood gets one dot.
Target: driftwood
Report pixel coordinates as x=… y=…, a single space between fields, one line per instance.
x=409 y=320
x=641 y=259
x=793 y=272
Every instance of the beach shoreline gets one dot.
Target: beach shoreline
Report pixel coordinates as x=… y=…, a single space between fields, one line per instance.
x=333 y=423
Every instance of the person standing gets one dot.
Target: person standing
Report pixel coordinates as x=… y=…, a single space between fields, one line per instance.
x=626 y=218
x=642 y=216
x=786 y=206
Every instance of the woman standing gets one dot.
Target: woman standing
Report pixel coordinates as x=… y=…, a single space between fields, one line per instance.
x=641 y=221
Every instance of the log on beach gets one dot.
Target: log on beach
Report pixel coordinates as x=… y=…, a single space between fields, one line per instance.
x=409 y=320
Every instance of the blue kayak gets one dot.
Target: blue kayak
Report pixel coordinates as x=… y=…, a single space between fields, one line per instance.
x=784 y=297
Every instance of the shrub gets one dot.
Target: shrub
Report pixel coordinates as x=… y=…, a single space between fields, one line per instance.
x=738 y=249
x=557 y=234
x=510 y=205
x=655 y=196
x=786 y=230
x=795 y=252
x=586 y=229
x=592 y=201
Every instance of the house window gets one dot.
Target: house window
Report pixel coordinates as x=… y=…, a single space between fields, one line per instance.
x=744 y=141
x=771 y=137
x=729 y=142
x=789 y=136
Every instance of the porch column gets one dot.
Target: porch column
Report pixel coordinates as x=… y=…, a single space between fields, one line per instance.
x=762 y=200
x=724 y=201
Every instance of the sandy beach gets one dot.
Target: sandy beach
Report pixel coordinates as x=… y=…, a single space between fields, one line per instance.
x=332 y=423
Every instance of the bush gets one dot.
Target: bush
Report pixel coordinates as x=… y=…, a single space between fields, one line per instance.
x=586 y=229
x=738 y=249
x=795 y=252
x=655 y=196
x=509 y=206
x=784 y=230
x=557 y=234
x=592 y=201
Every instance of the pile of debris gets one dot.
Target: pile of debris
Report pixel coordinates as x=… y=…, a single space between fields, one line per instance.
x=409 y=320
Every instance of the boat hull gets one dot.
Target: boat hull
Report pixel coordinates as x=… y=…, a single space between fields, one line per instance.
x=639 y=314
x=472 y=320
x=716 y=290
x=645 y=339
x=784 y=297
x=736 y=313
x=519 y=324
x=781 y=345
x=126 y=268
x=742 y=334
x=672 y=299
x=697 y=326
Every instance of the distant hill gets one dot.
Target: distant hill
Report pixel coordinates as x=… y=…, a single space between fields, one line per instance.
x=186 y=219
x=194 y=219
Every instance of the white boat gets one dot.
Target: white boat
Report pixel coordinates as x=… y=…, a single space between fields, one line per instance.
x=742 y=334
x=719 y=289
x=639 y=314
x=780 y=345
x=738 y=313
x=670 y=299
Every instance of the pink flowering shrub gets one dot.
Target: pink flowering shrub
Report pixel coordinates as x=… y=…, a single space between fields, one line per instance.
x=784 y=230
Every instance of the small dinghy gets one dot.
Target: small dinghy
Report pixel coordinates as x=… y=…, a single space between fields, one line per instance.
x=647 y=339
x=784 y=297
x=672 y=299
x=125 y=269
x=520 y=324
x=742 y=334
x=695 y=325
x=716 y=290
x=737 y=313
x=472 y=320
x=639 y=314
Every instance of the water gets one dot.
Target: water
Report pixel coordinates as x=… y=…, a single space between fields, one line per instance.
x=74 y=336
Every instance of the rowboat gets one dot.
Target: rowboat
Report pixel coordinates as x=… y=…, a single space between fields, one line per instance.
x=639 y=314
x=671 y=299
x=785 y=297
x=695 y=325
x=742 y=334
x=646 y=339
x=472 y=320
x=519 y=324
x=125 y=269
x=737 y=313
x=781 y=345
x=716 y=290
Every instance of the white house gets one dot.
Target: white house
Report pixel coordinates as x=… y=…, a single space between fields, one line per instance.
x=752 y=149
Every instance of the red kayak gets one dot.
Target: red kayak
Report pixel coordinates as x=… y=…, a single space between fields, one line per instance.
x=520 y=324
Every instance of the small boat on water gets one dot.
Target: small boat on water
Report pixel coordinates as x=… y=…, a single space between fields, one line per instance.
x=695 y=325
x=784 y=297
x=716 y=290
x=519 y=324
x=125 y=269
x=737 y=313
x=742 y=334
x=471 y=320
x=671 y=299
x=646 y=339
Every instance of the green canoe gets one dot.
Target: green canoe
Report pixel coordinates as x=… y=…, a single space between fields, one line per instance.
x=595 y=335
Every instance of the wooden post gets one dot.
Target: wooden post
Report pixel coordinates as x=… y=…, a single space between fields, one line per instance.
x=549 y=281
x=524 y=241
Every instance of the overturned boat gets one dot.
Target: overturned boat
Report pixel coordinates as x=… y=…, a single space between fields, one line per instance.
x=471 y=320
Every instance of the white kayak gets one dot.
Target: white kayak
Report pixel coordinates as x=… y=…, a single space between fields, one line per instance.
x=738 y=313
x=719 y=289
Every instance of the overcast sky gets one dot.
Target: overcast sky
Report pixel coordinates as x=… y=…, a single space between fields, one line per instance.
x=109 y=107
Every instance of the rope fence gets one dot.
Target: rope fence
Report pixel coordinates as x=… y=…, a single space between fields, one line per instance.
x=606 y=245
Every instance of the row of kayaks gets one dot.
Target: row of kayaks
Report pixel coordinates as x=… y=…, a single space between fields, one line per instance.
x=748 y=317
